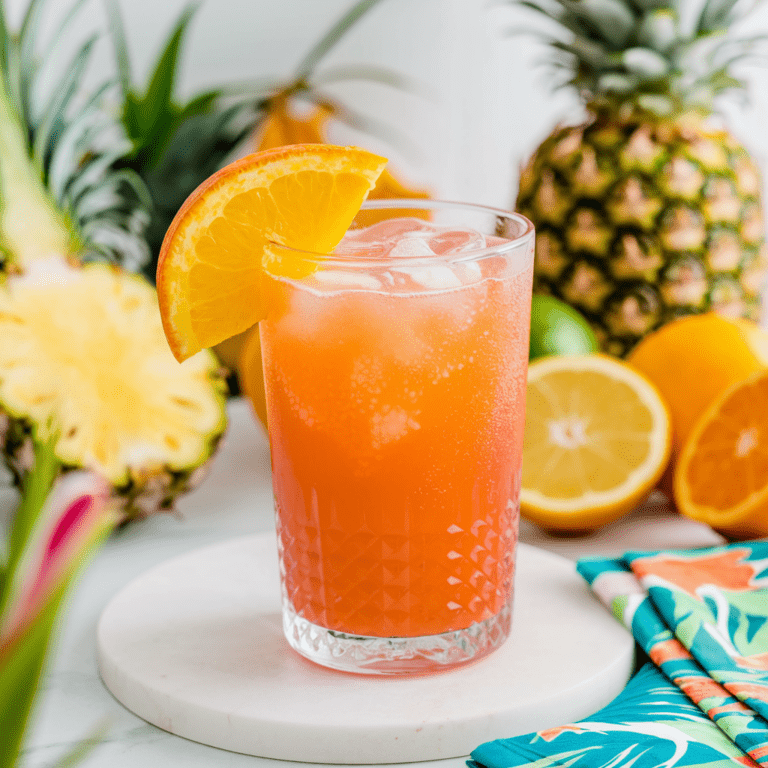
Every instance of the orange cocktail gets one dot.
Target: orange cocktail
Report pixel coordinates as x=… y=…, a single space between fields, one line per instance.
x=395 y=375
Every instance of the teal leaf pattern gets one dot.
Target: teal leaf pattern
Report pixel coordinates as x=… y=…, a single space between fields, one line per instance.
x=651 y=724
x=715 y=601
x=613 y=581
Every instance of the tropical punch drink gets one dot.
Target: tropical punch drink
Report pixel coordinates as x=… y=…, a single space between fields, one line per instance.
x=394 y=337
x=395 y=377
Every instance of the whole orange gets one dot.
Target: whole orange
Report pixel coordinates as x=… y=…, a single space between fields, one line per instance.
x=692 y=361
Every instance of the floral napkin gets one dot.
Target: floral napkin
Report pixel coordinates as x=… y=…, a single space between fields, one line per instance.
x=702 y=618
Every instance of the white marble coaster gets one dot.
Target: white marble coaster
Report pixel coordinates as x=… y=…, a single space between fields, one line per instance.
x=195 y=646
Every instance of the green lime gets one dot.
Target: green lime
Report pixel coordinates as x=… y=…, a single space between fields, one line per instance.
x=558 y=329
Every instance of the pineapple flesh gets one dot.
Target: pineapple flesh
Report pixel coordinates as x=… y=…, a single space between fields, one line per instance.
x=97 y=366
x=649 y=210
x=82 y=349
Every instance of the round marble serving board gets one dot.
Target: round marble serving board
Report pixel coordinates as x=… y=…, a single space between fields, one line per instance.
x=195 y=646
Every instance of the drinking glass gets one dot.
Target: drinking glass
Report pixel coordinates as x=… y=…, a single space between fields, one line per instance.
x=395 y=373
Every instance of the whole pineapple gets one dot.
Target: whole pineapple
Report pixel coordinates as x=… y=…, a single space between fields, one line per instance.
x=649 y=210
x=82 y=350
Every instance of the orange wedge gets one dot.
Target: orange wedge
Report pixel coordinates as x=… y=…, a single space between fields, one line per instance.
x=722 y=474
x=303 y=197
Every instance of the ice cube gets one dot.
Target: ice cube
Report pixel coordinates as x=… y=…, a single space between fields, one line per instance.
x=410 y=248
x=435 y=277
x=377 y=240
x=451 y=240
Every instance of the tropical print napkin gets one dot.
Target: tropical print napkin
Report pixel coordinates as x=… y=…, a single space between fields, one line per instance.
x=702 y=618
x=716 y=603
x=651 y=724
x=617 y=587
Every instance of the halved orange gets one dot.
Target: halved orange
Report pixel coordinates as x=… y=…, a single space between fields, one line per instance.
x=303 y=197
x=722 y=474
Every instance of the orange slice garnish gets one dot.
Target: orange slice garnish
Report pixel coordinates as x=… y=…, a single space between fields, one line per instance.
x=303 y=197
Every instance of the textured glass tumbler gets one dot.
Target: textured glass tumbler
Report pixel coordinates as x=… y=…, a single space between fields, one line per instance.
x=395 y=375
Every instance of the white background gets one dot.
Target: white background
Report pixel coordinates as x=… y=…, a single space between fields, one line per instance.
x=485 y=104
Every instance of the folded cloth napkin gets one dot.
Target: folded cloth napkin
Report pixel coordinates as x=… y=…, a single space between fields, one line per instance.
x=702 y=618
x=650 y=724
x=617 y=587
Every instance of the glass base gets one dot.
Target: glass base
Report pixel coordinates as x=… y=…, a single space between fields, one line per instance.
x=395 y=655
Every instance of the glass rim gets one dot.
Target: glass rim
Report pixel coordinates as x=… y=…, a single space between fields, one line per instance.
x=350 y=260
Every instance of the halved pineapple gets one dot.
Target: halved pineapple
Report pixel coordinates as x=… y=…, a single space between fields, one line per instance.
x=82 y=351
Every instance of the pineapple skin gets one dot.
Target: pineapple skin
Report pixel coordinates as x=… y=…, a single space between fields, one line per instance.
x=643 y=221
x=146 y=492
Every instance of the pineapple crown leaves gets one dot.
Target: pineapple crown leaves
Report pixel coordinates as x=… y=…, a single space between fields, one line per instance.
x=152 y=118
x=175 y=146
x=627 y=55
x=66 y=147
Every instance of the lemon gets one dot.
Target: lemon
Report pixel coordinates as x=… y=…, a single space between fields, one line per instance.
x=558 y=329
x=597 y=439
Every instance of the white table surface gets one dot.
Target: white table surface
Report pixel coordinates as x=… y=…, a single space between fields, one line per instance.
x=234 y=500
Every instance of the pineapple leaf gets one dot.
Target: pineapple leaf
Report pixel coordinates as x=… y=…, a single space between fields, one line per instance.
x=120 y=43
x=364 y=72
x=329 y=40
x=152 y=119
x=74 y=142
x=565 y=18
x=26 y=60
x=715 y=16
x=201 y=104
x=14 y=78
x=96 y=202
x=589 y=52
x=28 y=54
x=53 y=115
x=91 y=171
x=645 y=63
x=158 y=99
x=614 y=82
x=658 y=30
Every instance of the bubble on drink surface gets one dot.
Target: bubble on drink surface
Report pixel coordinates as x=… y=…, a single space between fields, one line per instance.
x=347 y=279
x=391 y=423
